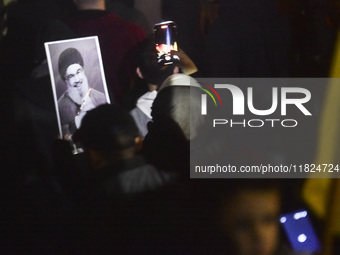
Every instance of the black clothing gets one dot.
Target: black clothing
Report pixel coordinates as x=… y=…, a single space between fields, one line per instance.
x=127 y=177
x=119 y=213
x=249 y=39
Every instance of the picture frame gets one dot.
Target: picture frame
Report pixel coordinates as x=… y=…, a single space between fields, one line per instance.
x=77 y=79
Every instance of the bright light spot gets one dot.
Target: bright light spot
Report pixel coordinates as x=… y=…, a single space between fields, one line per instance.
x=283 y=219
x=300 y=215
x=164 y=26
x=302 y=238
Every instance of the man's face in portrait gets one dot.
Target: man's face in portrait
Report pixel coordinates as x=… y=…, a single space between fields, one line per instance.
x=76 y=81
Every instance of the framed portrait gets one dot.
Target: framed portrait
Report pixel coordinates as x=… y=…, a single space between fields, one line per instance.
x=78 y=80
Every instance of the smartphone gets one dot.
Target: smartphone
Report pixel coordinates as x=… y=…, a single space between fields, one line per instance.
x=165 y=42
x=300 y=232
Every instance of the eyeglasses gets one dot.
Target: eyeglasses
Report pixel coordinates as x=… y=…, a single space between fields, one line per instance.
x=71 y=76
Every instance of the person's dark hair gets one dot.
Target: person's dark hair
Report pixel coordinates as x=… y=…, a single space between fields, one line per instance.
x=107 y=128
x=128 y=3
x=220 y=189
x=251 y=185
x=68 y=57
x=86 y=1
x=212 y=194
x=151 y=70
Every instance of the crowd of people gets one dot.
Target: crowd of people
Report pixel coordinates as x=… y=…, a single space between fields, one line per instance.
x=129 y=190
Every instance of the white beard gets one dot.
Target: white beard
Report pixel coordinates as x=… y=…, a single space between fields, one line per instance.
x=76 y=94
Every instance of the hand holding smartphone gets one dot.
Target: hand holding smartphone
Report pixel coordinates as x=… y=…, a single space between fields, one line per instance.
x=166 y=43
x=300 y=232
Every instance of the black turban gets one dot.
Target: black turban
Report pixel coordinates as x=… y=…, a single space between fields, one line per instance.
x=68 y=57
